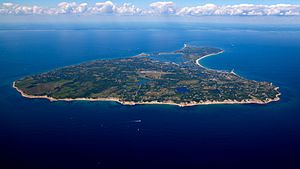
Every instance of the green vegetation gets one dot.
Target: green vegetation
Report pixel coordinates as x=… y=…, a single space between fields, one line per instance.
x=143 y=79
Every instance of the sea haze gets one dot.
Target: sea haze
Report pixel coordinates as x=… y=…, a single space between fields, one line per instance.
x=36 y=133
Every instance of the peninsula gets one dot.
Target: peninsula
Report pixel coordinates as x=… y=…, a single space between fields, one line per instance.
x=175 y=78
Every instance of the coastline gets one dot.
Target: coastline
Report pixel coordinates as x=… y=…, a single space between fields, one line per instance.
x=205 y=56
x=131 y=103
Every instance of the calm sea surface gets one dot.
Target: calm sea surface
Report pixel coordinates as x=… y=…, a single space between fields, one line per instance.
x=51 y=135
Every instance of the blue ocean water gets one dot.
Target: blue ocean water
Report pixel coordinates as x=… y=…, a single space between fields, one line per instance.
x=41 y=134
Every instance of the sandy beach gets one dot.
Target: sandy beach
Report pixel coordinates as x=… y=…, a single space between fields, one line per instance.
x=198 y=61
x=248 y=101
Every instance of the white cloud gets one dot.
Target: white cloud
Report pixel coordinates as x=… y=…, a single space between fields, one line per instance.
x=128 y=9
x=156 y=8
x=103 y=8
x=241 y=9
x=208 y=9
x=66 y=8
x=166 y=7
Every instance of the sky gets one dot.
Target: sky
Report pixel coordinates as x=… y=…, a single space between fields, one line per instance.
x=145 y=3
x=152 y=7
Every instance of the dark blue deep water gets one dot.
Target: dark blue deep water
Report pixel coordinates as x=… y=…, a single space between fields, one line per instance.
x=52 y=135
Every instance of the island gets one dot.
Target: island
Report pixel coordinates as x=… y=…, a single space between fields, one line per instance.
x=175 y=78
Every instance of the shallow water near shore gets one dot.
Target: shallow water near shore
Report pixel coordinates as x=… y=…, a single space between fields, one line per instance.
x=37 y=133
